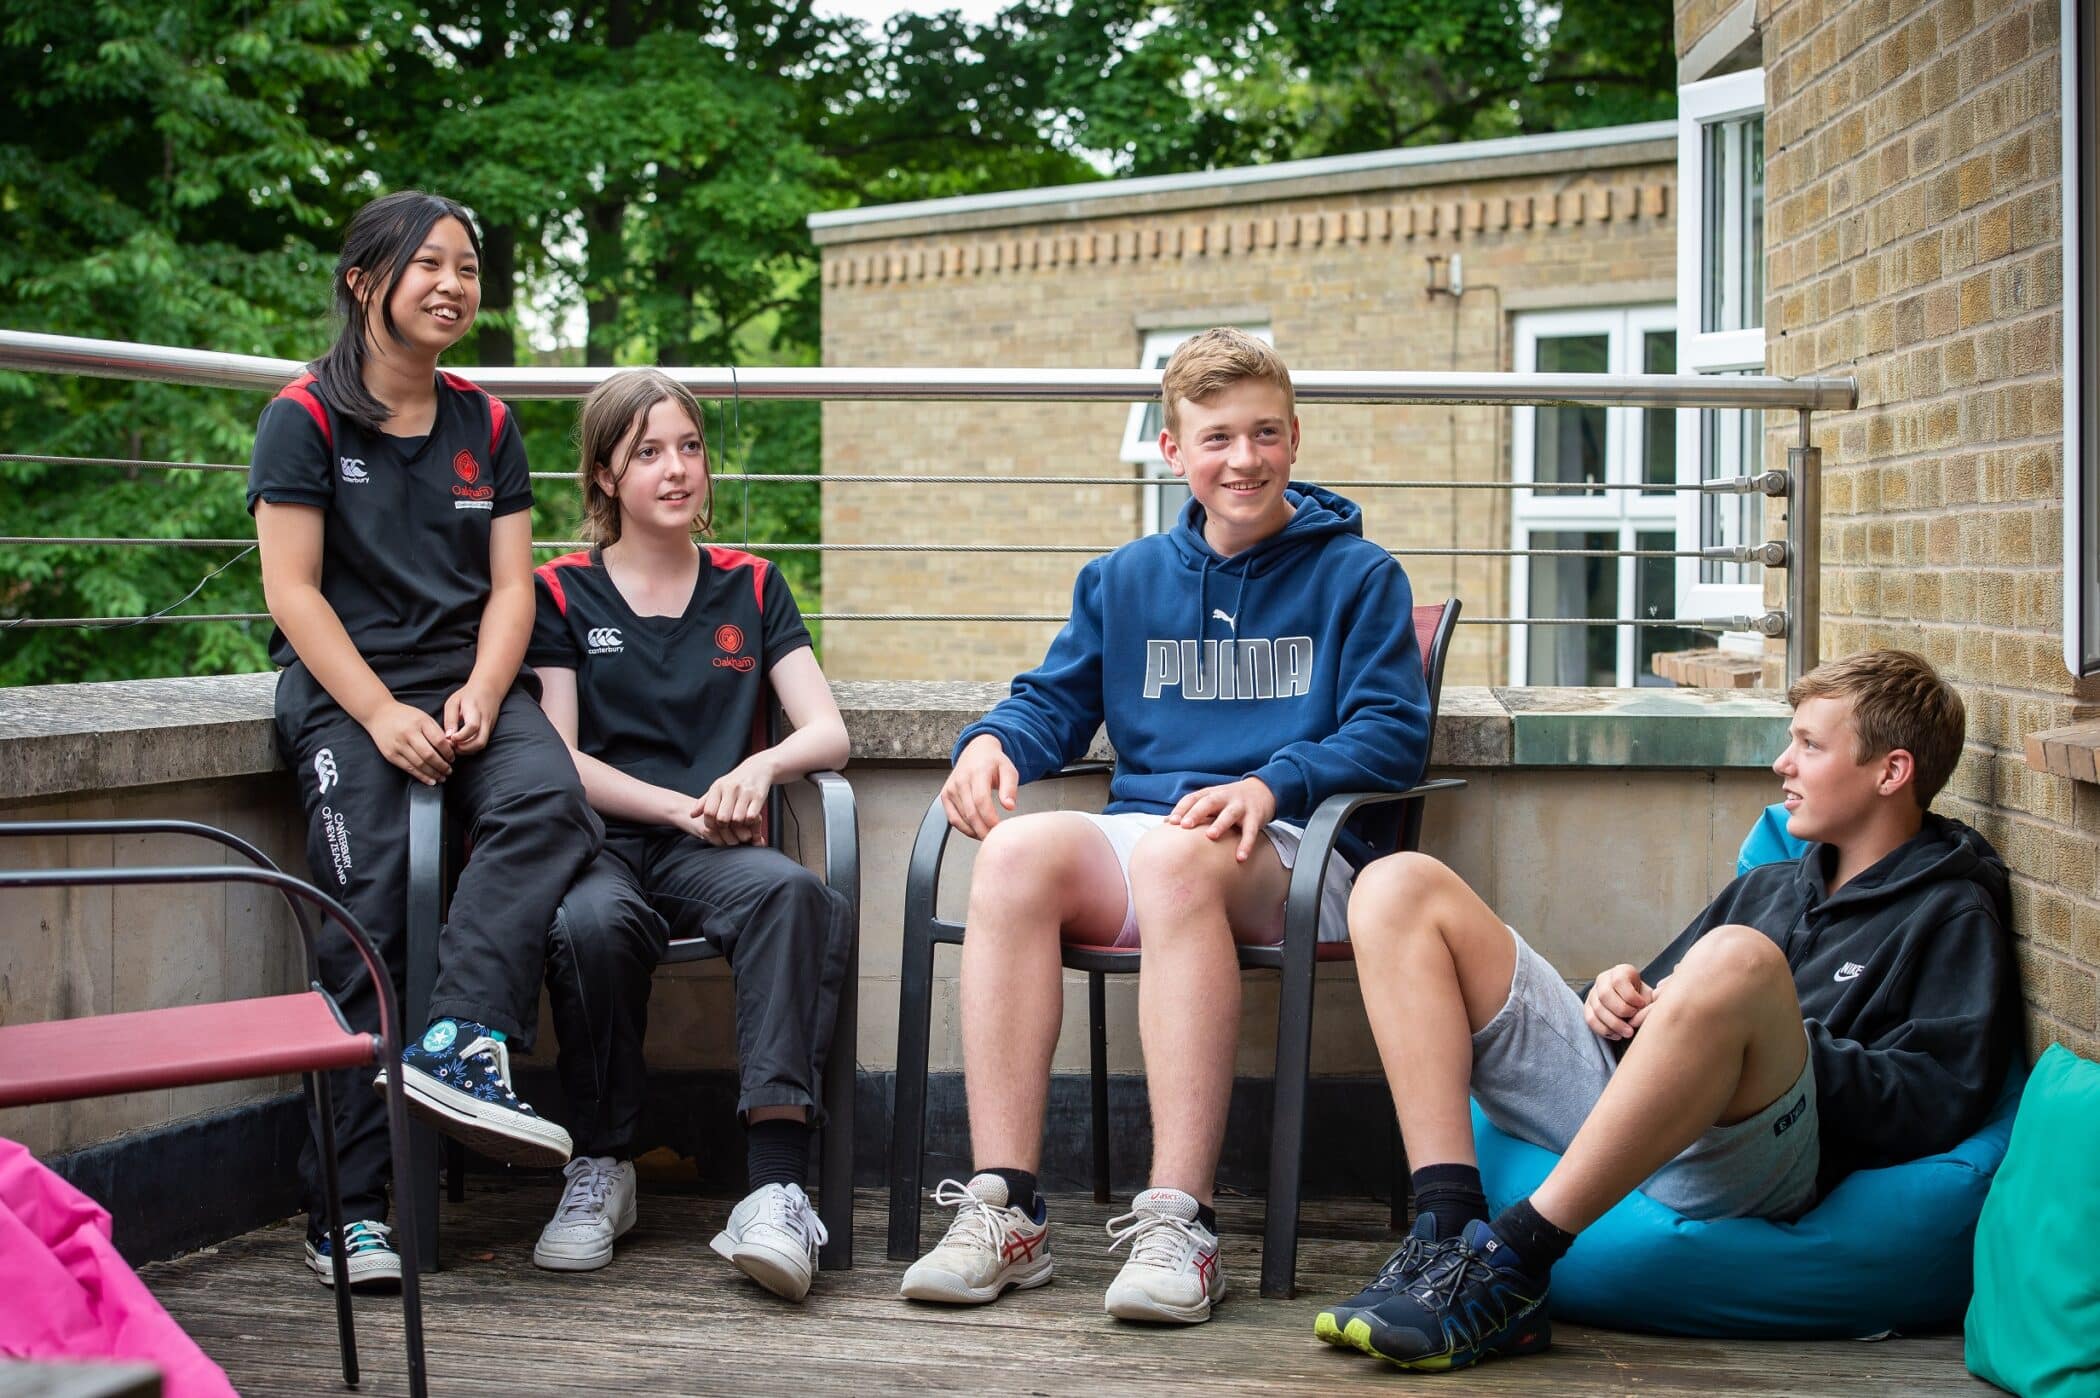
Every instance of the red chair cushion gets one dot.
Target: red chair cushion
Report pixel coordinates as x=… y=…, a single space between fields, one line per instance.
x=60 y=1060
x=1324 y=951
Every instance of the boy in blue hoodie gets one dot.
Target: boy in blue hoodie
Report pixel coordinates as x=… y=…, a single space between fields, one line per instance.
x=1853 y=1008
x=1252 y=662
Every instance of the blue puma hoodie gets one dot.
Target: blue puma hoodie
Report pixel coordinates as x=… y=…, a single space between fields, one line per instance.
x=1293 y=661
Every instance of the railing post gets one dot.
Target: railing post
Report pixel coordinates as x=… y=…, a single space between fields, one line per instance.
x=1804 y=575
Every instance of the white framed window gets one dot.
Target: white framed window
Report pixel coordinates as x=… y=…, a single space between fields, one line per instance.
x=1162 y=502
x=1605 y=446
x=1720 y=328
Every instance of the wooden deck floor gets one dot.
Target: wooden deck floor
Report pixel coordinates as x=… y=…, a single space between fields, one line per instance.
x=668 y=1317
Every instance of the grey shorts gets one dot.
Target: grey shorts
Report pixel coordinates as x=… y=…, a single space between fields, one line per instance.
x=1538 y=1070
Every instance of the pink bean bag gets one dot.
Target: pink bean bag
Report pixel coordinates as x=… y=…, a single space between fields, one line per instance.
x=70 y=1296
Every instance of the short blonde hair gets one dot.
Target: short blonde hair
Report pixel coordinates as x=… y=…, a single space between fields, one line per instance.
x=1206 y=365
x=1898 y=701
x=614 y=412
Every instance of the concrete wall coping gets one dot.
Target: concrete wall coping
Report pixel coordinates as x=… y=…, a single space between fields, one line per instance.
x=1562 y=153
x=59 y=740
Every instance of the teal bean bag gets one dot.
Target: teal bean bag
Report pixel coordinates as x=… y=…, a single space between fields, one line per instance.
x=2034 y=1327
x=1768 y=842
x=1887 y=1250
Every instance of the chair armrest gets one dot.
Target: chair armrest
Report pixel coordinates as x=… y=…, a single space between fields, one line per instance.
x=1301 y=910
x=302 y=915
x=841 y=834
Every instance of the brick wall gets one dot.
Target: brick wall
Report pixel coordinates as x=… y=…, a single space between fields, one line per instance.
x=1912 y=178
x=1340 y=278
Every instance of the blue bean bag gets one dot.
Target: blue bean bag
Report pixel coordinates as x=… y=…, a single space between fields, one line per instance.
x=1887 y=1250
x=1768 y=842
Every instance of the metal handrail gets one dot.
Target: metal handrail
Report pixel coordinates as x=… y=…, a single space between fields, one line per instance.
x=113 y=359
x=1799 y=623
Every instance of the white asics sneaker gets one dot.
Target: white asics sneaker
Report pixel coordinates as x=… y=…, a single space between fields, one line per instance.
x=989 y=1249
x=773 y=1237
x=1172 y=1273
x=597 y=1206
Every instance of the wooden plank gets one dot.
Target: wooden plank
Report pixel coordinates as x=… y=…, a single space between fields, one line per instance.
x=669 y=1317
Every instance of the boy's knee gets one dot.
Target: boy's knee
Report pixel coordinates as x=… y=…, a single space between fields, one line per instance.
x=1185 y=866
x=1019 y=860
x=1732 y=959
x=1397 y=883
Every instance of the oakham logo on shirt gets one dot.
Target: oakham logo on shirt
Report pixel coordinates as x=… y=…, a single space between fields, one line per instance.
x=730 y=639
x=468 y=495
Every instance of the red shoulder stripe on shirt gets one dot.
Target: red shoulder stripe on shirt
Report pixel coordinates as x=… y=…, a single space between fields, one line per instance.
x=499 y=412
x=730 y=559
x=299 y=393
x=550 y=573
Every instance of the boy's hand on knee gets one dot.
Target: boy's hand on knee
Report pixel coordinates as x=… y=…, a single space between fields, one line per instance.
x=981 y=787
x=1247 y=803
x=1617 y=1003
x=412 y=741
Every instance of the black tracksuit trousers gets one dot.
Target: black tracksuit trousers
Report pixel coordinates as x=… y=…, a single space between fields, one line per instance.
x=528 y=829
x=783 y=930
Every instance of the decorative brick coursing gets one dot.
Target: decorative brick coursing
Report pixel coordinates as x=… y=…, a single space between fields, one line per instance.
x=1342 y=281
x=923 y=259
x=1912 y=221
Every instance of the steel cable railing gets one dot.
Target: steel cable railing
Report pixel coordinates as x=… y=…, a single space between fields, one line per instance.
x=1798 y=621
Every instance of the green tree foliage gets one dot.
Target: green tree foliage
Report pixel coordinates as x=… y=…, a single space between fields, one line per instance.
x=178 y=173
x=1160 y=88
x=156 y=183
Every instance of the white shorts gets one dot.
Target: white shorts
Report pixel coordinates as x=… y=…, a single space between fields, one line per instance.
x=1125 y=829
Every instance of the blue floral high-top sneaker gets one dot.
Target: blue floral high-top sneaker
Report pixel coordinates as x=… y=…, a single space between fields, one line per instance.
x=457 y=1077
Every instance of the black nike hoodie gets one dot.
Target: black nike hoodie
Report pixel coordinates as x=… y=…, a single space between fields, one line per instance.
x=1906 y=982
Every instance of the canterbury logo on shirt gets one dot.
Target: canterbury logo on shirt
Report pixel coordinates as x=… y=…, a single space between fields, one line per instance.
x=354 y=470
x=1246 y=669
x=603 y=640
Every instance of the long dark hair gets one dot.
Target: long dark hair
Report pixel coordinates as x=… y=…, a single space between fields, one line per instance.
x=383 y=235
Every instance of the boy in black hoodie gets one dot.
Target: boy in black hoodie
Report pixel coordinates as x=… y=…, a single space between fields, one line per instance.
x=1855 y=1008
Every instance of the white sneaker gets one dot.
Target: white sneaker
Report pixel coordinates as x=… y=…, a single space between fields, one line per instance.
x=369 y=1258
x=773 y=1237
x=597 y=1206
x=990 y=1249
x=1172 y=1274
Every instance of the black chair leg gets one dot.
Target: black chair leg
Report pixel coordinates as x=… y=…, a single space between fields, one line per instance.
x=908 y=1117
x=339 y=1260
x=455 y=1171
x=1097 y=1052
x=426 y=895
x=1279 y=1257
x=407 y=1231
x=836 y=1166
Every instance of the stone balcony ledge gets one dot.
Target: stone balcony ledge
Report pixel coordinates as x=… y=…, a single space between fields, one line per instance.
x=58 y=740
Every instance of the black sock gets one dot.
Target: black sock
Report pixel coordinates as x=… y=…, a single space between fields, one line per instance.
x=1208 y=1217
x=1452 y=1193
x=1537 y=1243
x=1020 y=1188
x=776 y=1152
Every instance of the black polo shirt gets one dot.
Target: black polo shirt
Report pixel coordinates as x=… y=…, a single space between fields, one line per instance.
x=405 y=556
x=675 y=701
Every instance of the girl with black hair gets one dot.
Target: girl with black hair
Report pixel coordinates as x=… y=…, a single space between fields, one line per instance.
x=393 y=512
